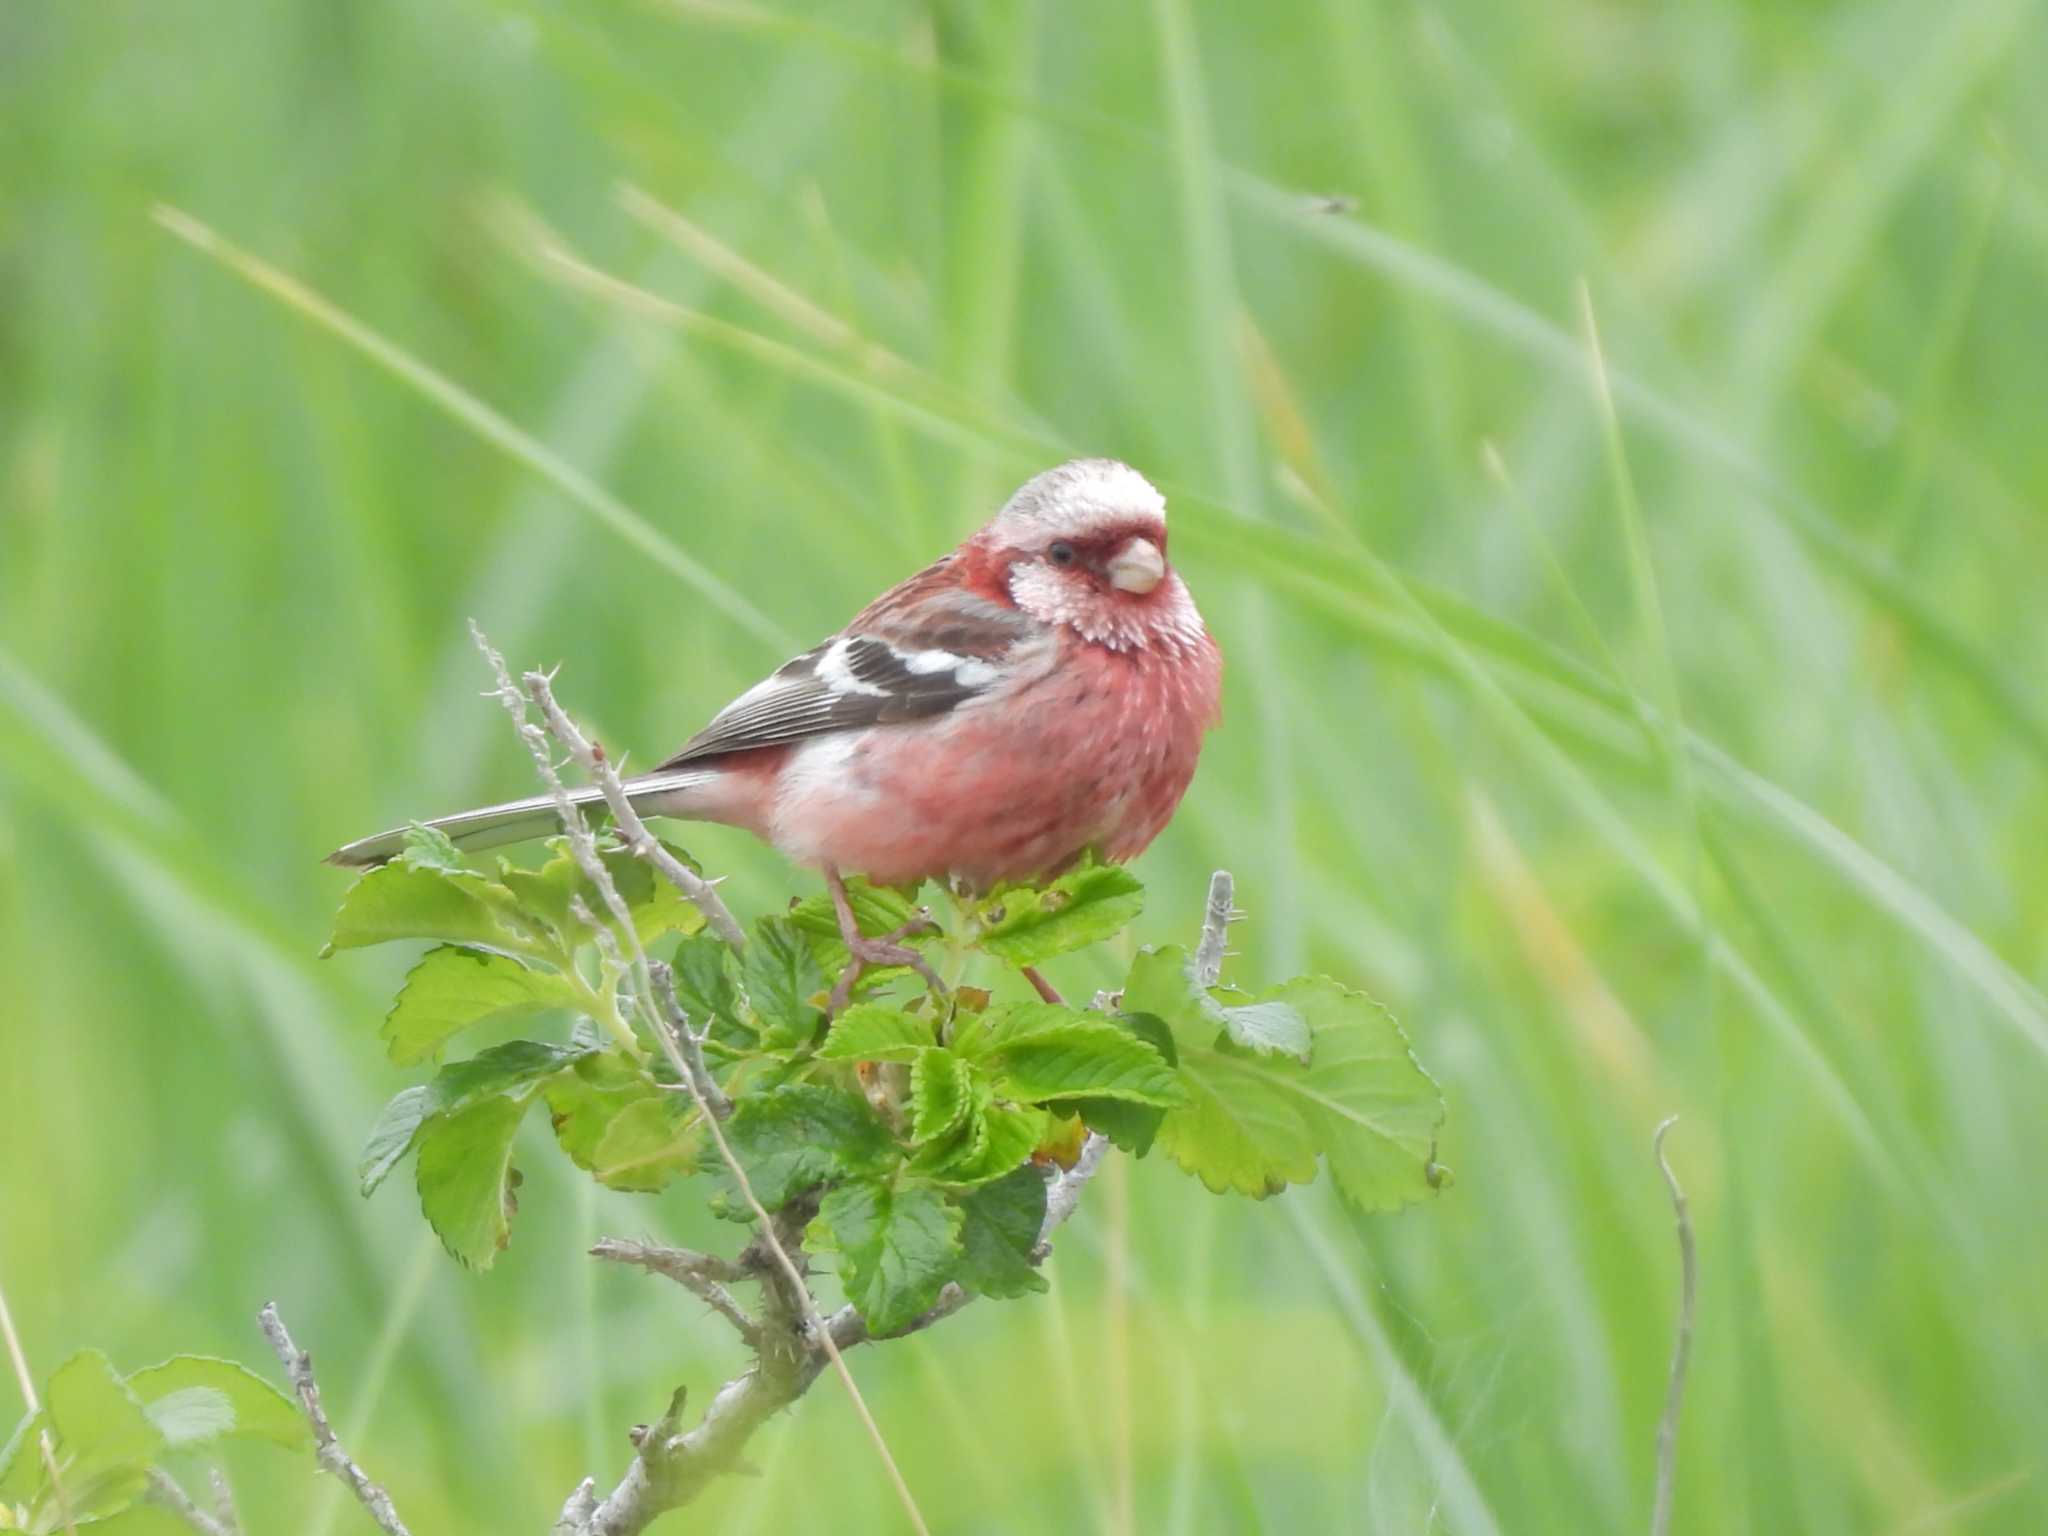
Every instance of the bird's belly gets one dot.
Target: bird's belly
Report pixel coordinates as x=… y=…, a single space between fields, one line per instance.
x=1009 y=790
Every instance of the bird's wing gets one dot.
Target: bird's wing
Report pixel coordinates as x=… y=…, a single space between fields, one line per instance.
x=923 y=649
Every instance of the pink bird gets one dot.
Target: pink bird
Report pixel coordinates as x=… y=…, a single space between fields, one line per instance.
x=1042 y=690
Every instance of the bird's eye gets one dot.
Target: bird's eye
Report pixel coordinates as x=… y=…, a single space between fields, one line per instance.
x=1061 y=553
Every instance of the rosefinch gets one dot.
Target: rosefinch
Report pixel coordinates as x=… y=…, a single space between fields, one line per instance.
x=1040 y=691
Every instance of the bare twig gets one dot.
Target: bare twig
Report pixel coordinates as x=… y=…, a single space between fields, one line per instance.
x=577 y=1510
x=689 y=1043
x=164 y=1490
x=1681 y=1348
x=632 y=830
x=298 y=1365
x=224 y=1509
x=682 y=1265
x=29 y=1400
x=1217 y=916
x=701 y=1274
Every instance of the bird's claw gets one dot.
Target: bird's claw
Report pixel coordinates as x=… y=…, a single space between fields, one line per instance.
x=887 y=949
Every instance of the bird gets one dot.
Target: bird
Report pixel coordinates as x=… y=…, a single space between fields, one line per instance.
x=1040 y=693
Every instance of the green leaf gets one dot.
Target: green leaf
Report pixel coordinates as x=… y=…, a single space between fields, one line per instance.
x=501 y=1069
x=105 y=1441
x=430 y=848
x=784 y=983
x=707 y=991
x=1268 y=1029
x=403 y=900
x=453 y=988
x=392 y=1136
x=999 y=1228
x=941 y=1093
x=600 y=1090
x=992 y=1140
x=1165 y=985
x=1041 y=1052
x=799 y=1135
x=194 y=1398
x=878 y=1032
x=1084 y=906
x=646 y=1145
x=551 y=891
x=465 y=1177
x=897 y=1245
x=1255 y=1124
x=1130 y=1126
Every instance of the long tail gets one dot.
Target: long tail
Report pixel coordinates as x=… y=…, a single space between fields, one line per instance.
x=516 y=821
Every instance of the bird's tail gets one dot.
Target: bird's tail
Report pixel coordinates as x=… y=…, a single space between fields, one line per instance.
x=516 y=821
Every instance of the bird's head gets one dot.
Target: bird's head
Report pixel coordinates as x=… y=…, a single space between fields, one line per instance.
x=1084 y=545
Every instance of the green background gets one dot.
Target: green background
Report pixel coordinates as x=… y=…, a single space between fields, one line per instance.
x=1693 y=761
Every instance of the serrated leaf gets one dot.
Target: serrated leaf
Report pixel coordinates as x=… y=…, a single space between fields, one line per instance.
x=255 y=1409
x=897 y=1246
x=1163 y=983
x=1044 y=1053
x=1255 y=1124
x=402 y=900
x=552 y=890
x=584 y=1100
x=878 y=1032
x=783 y=980
x=104 y=1442
x=707 y=991
x=502 y=1068
x=1026 y=925
x=941 y=1093
x=1132 y=1127
x=453 y=988
x=465 y=1177
x=1268 y=1029
x=802 y=1134
x=430 y=848
x=999 y=1228
x=645 y=1146
x=994 y=1139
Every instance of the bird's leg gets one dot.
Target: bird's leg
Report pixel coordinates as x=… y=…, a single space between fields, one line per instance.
x=863 y=951
x=1044 y=988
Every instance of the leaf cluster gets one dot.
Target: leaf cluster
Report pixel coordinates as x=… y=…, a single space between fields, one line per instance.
x=913 y=1134
x=107 y=1431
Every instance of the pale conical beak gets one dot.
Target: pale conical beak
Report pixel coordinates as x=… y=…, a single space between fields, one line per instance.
x=1137 y=567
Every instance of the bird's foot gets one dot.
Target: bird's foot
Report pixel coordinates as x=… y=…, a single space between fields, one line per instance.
x=864 y=952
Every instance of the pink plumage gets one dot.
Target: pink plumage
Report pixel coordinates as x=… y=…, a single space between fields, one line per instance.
x=1041 y=691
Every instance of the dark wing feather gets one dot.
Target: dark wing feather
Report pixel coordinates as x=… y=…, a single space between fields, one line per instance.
x=922 y=650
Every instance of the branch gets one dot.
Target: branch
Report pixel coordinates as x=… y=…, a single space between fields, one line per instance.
x=629 y=1508
x=1681 y=1348
x=1217 y=916
x=164 y=1490
x=689 y=1044
x=298 y=1365
x=644 y=844
x=701 y=1274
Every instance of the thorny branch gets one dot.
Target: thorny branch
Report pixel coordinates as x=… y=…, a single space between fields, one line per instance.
x=1681 y=1347
x=643 y=843
x=298 y=1365
x=627 y=1509
x=792 y=1344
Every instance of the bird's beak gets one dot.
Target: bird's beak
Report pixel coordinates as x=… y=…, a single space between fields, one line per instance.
x=1137 y=567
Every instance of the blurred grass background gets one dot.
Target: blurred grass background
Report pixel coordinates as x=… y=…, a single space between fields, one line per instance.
x=1657 y=728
